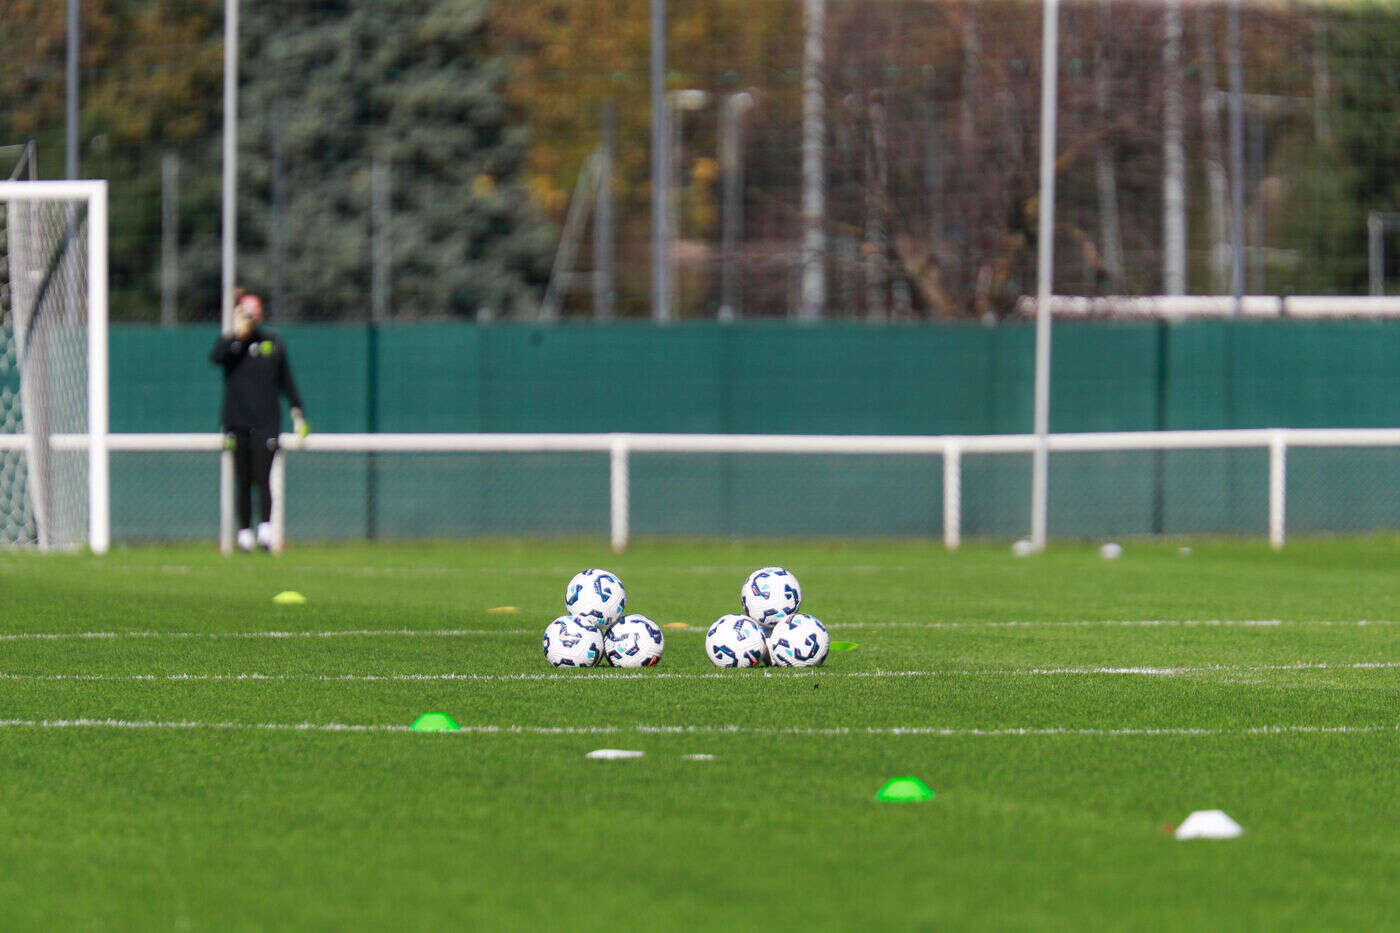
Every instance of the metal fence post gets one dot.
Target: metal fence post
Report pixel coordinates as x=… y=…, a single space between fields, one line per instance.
x=226 y=501
x=952 y=496
x=620 y=488
x=278 y=482
x=1278 y=487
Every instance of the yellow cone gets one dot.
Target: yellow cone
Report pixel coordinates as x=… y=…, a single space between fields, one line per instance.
x=289 y=598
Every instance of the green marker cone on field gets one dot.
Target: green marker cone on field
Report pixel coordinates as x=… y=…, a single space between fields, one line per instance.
x=844 y=646
x=904 y=790
x=289 y=598
x=435 y=722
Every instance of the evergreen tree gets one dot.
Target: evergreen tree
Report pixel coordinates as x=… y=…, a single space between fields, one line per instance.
x=330 y=88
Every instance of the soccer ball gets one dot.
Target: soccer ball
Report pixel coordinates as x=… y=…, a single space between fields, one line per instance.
x=736 y=641
x=770 y=594
x=634 y=641
x=799 y=640
x=573 y=641
x=596 y=594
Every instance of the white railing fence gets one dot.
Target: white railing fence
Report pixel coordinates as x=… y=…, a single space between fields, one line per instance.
x=621 y=447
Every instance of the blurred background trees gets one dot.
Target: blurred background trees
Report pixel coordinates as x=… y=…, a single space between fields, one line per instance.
x=418 y=156
x=383 y=125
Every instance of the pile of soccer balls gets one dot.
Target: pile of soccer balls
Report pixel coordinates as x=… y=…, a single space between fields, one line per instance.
x=769 y=631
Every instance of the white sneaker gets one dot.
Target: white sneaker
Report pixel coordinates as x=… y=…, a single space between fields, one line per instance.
x=245 y=539
x=265 y=535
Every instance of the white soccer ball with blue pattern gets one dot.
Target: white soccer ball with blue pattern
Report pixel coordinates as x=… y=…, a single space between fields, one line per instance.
x=597 y=594
x=736 y=641
x=573 y=641
x=770 y=594
x=799 y=640
x=634 y=641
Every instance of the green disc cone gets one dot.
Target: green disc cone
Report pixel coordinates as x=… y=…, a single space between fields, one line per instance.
x=844 y=646
x=434 y=722
x=904 y=790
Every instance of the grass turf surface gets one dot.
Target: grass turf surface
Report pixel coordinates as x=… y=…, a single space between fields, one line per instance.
x=216 y=825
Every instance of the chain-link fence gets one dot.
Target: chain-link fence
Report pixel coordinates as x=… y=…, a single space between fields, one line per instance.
x=485 y=160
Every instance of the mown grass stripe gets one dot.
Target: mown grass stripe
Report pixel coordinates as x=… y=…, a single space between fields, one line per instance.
x=606 y=675
x=494 y=632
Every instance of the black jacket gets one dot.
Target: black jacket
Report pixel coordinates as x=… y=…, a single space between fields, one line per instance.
x=255 y=371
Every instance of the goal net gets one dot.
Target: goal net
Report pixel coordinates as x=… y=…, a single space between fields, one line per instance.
x=53 y=420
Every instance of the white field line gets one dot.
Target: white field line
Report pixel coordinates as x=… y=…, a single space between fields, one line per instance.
x=477 y=570
x=334 y=633
x=839 y=627
x=607 y=676
x=929 y=731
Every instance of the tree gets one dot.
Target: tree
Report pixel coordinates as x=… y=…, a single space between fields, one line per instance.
x=150 y=75
x=328 y=89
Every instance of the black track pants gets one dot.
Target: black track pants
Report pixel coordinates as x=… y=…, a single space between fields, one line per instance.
x=252 y=466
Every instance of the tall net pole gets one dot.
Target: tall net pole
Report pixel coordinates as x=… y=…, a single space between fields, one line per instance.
x=230 y=240
x=1174 y=159
x=1040 y=466
x=169 y=236
x=1236 y=157
x=230 y=181
x=660 y=169
x=604 y=243
x=813 y=299
x=70 y=158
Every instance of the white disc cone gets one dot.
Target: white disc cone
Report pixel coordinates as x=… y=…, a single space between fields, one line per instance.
x=1209 y=824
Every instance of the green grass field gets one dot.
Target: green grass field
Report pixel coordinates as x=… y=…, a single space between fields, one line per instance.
x=1063 y=707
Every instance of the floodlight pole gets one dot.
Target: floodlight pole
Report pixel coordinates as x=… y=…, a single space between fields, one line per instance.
x=230 y=186
x=1236 y=157
x=169 y=236
x=660 y=169
x=812 y=302
x=677 y=102
x=1045 y=259
x=230 y=241
x=71 y=127
x=1174 y=159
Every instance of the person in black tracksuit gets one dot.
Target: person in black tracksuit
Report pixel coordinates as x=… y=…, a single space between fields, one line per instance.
x=256 y=373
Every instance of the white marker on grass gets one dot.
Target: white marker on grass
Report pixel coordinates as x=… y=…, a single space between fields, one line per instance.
x=1209 y=824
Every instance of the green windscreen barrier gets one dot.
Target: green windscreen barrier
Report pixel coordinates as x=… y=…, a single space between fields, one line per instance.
x=837 y=378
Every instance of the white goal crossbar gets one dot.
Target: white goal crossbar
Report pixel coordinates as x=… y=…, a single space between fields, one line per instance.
x=620 y=448
x=96 y=438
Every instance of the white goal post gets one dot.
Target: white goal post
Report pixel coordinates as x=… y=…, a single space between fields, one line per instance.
x=47 y=223
x=619 y=449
